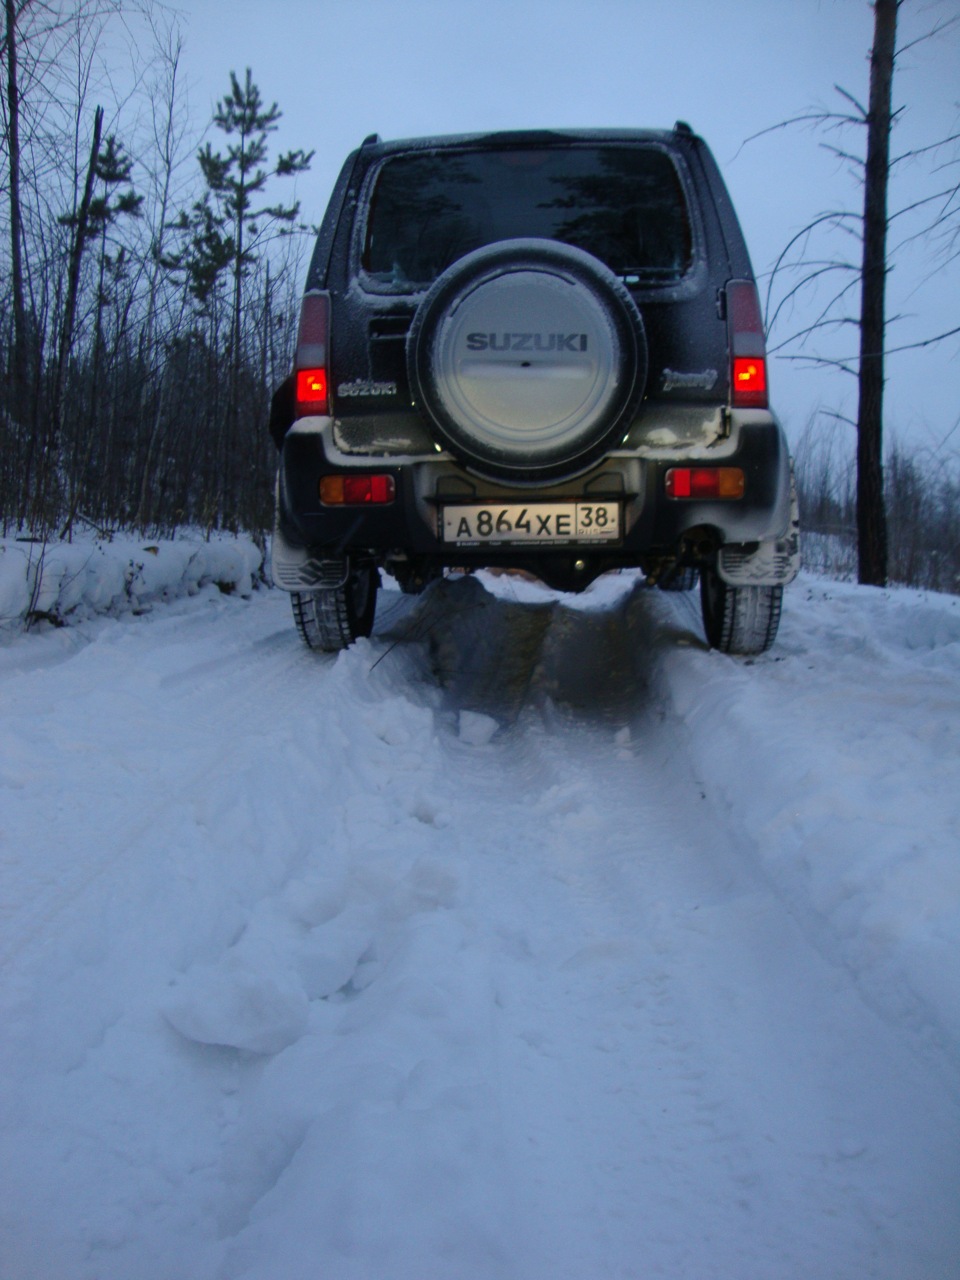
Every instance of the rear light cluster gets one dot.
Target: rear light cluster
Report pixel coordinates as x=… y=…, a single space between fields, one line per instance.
x=357 y=490
x=748 y=351
x=705 y=482
x=312 y=391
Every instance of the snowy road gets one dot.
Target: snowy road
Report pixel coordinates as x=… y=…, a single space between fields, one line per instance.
x=528 y=939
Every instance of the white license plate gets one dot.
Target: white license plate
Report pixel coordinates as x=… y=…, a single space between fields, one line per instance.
x=532 y=522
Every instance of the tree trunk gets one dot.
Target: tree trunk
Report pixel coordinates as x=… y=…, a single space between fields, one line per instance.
x=52 y=492
x=16 y=214
x=871 y=511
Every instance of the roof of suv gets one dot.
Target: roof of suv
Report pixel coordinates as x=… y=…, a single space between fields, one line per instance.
x=526 y=137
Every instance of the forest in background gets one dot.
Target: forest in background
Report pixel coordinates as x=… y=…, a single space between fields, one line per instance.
x=922 y=491
x=151 y=276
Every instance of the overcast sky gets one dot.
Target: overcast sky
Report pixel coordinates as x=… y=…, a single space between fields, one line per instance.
x=341 y=69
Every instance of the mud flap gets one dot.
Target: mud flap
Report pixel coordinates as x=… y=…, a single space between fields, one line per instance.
x=774 y=562
x=296 y=569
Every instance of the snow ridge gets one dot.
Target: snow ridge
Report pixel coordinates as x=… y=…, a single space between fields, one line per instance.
x=64 y=582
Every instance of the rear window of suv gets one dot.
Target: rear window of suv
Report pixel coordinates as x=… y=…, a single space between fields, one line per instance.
x=624 y=204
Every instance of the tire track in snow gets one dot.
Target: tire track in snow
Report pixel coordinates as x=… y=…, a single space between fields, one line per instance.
x=528 y=1009
x=753 y=1137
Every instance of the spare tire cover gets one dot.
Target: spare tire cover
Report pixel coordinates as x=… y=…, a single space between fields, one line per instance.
x=529 y=357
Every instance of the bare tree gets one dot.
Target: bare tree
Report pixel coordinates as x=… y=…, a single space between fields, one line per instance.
x=871 y=511
x=16 y=218
x=167 y=146
x=862 y=276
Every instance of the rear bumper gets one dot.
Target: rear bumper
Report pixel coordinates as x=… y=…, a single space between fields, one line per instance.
x=653 y=525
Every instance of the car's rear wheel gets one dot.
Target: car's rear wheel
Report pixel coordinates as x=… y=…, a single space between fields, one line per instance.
x=529 y=359
x=331 y=618
x=740 y=620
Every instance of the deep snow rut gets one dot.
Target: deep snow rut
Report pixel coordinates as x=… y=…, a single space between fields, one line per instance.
x=433 y=959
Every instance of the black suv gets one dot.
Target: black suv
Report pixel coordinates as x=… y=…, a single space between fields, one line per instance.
x=535 y=350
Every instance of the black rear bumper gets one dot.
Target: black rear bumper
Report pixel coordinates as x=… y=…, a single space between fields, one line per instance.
x=653 y=524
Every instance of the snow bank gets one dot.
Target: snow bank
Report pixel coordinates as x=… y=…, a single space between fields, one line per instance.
x=835 y=756
x=65 y=582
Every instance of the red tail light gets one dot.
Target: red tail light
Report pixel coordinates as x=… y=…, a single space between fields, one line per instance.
x=749 y=377
x=313 y=394
x=705 y=482
x=312 y=391
x=748 y=352
x=362 y=490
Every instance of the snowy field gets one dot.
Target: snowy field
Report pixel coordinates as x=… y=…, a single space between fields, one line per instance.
x=528 y=940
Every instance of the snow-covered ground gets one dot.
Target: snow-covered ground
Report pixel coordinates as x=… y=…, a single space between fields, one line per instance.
x=528 y=939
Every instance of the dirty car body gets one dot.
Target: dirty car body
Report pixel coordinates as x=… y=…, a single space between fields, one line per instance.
x=541 y=351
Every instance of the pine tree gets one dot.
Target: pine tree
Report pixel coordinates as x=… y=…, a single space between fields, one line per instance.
x=224 y=236
x=229 y=225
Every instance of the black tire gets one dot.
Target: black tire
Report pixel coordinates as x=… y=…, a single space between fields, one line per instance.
x=331 y=619
x=684 y=578
x=740 y=620
x=529 y=358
